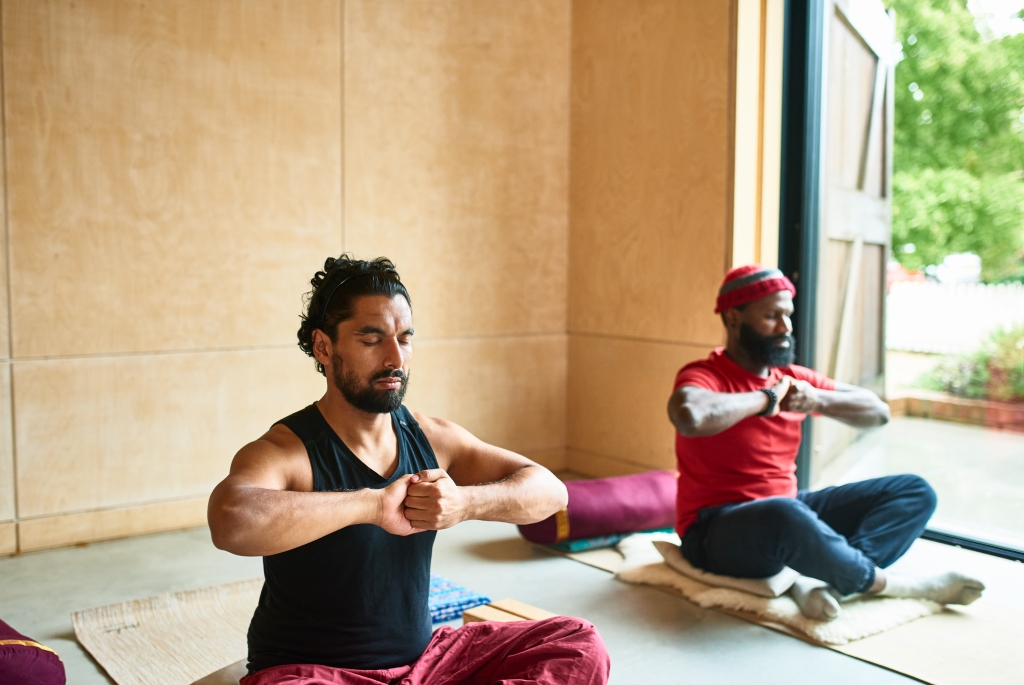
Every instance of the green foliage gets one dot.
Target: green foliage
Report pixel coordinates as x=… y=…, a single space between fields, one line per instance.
x=947 y=211
x=995 y=372
x=959 y=100
x=959 y=140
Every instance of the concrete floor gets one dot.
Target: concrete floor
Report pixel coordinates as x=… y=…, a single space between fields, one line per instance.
x=978 y=473
x=652 y=637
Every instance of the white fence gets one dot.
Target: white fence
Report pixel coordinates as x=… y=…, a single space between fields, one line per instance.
x=949 y=318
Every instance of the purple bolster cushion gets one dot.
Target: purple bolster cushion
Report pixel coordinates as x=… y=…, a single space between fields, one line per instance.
x=23 y=661
x=605 y=506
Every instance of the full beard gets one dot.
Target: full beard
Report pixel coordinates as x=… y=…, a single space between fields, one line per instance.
x=363 y=396
x=765 y=349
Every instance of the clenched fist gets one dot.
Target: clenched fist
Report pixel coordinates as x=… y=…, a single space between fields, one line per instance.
x=434 y=502
x=780 y=388
x=391 y=510
x=802 y=397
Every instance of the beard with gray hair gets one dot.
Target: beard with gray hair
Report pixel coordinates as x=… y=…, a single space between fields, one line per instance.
x=363 y=396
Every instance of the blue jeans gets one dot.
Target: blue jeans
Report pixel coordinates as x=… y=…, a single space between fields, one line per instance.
x=838 y=535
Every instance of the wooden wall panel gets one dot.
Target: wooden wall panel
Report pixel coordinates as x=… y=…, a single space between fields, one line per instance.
x=175 y=170
x=650 y=218
x=5 y=315
x=597 y=466
x=6 y=445
x=556 y=459
x=456 y=158
x=618 y=394
x=507 y=391
x=8 y=538
x=849 y=105
x=120 y=431
x=106 y=524
x=650 y=158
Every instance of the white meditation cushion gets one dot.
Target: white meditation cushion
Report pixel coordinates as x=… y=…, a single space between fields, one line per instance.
x=762 y=587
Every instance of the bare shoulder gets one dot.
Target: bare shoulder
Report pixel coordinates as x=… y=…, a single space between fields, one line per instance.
x=277 y=459
x=449 y=440
x=468 y=459
x=442 y=432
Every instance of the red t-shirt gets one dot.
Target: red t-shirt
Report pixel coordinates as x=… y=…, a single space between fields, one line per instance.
x=754 y=459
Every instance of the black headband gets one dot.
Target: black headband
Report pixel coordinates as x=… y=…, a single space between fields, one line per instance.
x=343 y=281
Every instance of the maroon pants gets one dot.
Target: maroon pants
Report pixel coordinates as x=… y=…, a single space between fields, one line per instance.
x=562 y=650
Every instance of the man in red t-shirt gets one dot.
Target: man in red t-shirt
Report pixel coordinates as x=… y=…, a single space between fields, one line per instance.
x=738 y=414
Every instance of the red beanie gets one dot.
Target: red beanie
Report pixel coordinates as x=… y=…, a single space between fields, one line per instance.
x=748 y=283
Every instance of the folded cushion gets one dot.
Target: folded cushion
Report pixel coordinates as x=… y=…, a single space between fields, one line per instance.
x=762 y=587
x=447 y=600
x=23 y=661
x=609 y=506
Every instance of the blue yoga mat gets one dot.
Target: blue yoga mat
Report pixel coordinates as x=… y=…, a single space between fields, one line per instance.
x=448 y=599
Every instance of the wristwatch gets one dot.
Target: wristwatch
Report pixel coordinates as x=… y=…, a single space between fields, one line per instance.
x=773 y=399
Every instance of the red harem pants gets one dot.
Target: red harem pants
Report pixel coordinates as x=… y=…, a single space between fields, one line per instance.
x=561 y=650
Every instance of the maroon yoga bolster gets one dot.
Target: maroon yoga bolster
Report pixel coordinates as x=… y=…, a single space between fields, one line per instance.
x=23 y=661
x=624 y=504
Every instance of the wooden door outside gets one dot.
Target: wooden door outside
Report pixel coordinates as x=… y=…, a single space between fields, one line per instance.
x=856 y=208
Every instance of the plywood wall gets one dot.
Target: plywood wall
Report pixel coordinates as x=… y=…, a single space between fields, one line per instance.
x=650 y=204
x=8 y=530
x=456 y=166
x=177 y=172
x=174 y=175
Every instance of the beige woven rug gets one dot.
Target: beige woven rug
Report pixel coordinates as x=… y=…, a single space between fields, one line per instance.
x=171 y=639
x=969 y=645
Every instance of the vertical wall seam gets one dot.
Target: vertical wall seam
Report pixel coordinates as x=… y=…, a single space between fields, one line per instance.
x=341 y=159
x=7 y=246
x=568 y=230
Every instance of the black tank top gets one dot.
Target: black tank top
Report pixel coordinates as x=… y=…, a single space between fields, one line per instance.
x=356 y=598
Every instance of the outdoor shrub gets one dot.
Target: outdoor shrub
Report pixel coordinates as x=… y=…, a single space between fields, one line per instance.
x=1006 y=366
x=995 y=371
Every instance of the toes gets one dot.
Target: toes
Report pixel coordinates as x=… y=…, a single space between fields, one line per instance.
x=967 y=596
x=823 y=605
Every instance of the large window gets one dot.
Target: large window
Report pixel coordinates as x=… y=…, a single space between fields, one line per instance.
x=948 y=173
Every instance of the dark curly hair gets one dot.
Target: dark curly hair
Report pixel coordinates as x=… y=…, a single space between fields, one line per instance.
x=335 y=290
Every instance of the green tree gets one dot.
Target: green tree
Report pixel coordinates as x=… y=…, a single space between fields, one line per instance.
x=945 y=211
x=958 y=184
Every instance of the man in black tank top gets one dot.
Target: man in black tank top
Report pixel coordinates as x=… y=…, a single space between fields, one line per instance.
x=343 y=499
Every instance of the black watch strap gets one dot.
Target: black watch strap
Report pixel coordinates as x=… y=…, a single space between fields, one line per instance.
x=773 y=399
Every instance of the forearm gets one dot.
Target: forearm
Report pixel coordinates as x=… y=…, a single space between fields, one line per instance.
x=252 y=521
x=860 y=408
x=696 y=412
x=528 y=495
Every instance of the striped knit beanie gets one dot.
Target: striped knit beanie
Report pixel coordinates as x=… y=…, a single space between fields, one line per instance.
x=748 y=283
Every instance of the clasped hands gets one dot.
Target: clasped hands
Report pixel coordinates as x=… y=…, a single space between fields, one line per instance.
x=428 y=500
x=795 y=396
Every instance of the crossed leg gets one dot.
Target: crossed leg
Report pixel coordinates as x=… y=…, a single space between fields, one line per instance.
x=560 y=650
x=838 y=538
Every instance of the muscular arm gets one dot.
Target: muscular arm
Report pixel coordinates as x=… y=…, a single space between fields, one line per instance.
x=478 y=481
x=698 y=412
x=265 y=506
x=847 y=403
